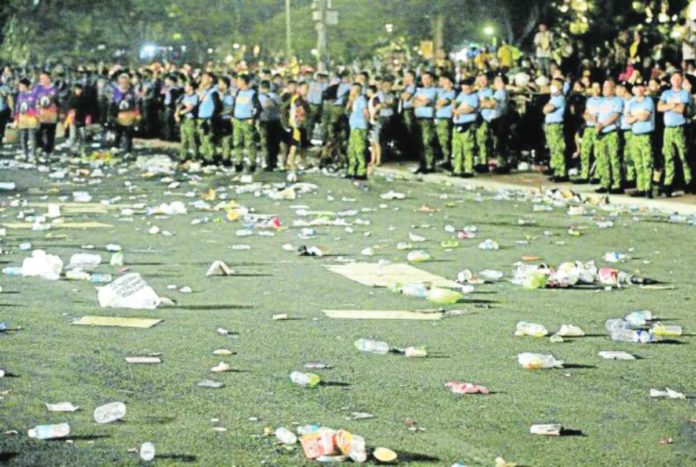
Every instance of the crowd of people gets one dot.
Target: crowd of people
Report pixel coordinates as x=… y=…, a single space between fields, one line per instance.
x=621 y=127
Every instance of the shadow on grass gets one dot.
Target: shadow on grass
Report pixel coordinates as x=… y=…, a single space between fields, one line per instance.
x=334 y=384
x=568 y=432
x=211 y=307
x=405 y=457
x=8 y=456
x=578 y=366
x=158 y=420
x=187 y=458
x=80 y=438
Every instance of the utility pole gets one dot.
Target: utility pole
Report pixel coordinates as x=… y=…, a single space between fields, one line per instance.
x=324 y=16
x=288 y=31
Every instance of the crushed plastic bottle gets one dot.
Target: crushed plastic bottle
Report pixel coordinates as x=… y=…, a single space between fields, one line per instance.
x=615 y=325
x=285 y=436
x=630 y=335
x=639 y=319
x=489 y=245
x=533 y=361
x=443 y=296
x=306 y=380
x=100 y=278
x=60 y=430
x=662 y=330
x=147 y=451
x=372 y=346
x=418 y=256
x=110 y=412
x=413 y=290
x=531 y=329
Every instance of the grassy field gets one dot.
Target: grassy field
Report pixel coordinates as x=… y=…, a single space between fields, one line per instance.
x=607 y=402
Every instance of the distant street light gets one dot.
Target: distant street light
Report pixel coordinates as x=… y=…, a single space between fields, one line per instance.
x=389 y=27
x=489 y=30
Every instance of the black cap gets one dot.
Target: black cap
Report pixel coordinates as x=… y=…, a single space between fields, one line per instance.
x=466 y=82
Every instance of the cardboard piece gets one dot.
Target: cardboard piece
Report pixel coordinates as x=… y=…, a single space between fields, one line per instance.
x=378 y=275
x=116 y=321
x=382 y=315
x=63 y=225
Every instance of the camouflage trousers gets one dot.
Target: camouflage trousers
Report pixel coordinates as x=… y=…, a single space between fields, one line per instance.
x=444 y=137
x=244 y=138
x=483 y=142
x=336 y=134
x=357 y=146
x=426 y=128
x=642 y=156
x=556 y=144
x=206 y=139
x=463 y=145
x=674 y=138
x=187 y=130
x=627 y=155
x=609 y=160
x=588 y=148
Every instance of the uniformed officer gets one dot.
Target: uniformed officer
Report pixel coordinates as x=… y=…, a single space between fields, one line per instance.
x=47 y=106
x=170 y=95
x=673 y=104
x=315 y=97
x=641 y=117
x=408 y=120
x=387 y=113
x=336 y=134
x=246 y=111
x=499 y=124
x=209 y=108
x=465 y=114
x=483 y=137
x=424 y=111
x=443 y=115
x=588 y=142
x=623 y=91
x=270 y=129
x=224 y=124
x=607 y=128
x=185 y=115
x=554 y=112
x=357 y=144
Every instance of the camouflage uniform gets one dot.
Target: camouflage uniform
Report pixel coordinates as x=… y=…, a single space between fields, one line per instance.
x=357 y=145
x=187 y=131
x=630 y=168
x=674 y=138
x=427 y=134
x=556 y=143
x=206 y=137
x=482 y=142
x=244 y=138
x=444 y=137
x=463 y=145
x=587 y=149
x=608 y=160
x=642 y=155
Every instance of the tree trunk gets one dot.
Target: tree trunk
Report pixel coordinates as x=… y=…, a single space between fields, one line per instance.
x=439 y=35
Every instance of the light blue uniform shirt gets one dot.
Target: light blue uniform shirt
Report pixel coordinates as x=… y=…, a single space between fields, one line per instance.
x=245 y=104
x=608 y=107
x=411 y=89
x=357 y=114
x=206 y=107
x=387 y=100
x=623 y=123
x=674 y=119
x=592 y=107
x=472 y=100
x=270 y=107
x=426 y=111
x=190 y=99
x=446 y=111
x=315 y=94
x=559 y=103
x=647 y=104
x=486 y=94
x=501 y=104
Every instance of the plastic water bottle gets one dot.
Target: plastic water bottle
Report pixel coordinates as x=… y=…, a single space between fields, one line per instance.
x=12 y=271
x=531 y=329
x=414 y=290
x=147 y=451
x=666 y=331
x=285 y=436
x=60 y=430
x=372 y=346
x=306 y=380
x=615 y=325
x=100 y=278
x=629 y=335
x=535 y=361
x=110 y=412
